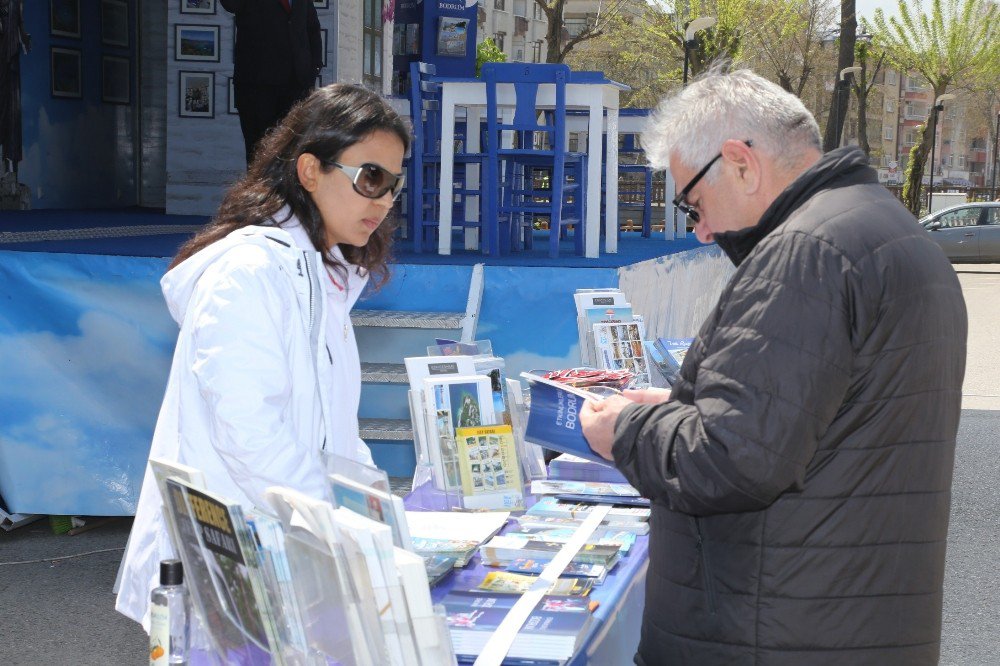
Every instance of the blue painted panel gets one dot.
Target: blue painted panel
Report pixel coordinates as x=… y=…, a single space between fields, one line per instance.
x=77 y=152
x=85 y=347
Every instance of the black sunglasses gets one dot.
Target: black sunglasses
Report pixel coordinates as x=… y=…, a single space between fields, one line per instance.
x=371 y=180
x=680 y=201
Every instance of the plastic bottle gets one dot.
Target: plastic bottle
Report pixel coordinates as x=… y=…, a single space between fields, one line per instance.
x=168 y=609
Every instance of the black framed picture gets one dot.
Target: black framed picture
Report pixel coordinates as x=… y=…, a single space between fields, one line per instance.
x=115 y=80
x=322 y=41
x=114 y=22
x=196 y=42
x=196 y=94
x=64 y=18
x=321 y=4
x=197 y=6
x=65 y=73
x=232 y=97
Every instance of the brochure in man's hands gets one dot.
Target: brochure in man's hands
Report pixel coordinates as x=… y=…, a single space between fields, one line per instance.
x=553 y=418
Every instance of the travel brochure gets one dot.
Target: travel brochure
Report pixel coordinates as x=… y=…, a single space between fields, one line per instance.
x=489 y=468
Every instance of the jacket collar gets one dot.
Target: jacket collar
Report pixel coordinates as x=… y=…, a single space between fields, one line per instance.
x=838 y=168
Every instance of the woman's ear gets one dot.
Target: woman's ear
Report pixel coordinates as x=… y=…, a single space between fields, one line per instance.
x=307 y=167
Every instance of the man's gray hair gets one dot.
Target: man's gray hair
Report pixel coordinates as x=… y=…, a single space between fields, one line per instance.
x=694 y=123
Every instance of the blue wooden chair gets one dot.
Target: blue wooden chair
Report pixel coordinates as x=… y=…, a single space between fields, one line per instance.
x=530 y=178
x=424 y=166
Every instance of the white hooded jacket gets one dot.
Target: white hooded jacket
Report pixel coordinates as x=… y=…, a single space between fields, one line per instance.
x=257 y=388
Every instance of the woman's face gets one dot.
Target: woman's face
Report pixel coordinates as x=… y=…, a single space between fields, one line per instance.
x=348 y=217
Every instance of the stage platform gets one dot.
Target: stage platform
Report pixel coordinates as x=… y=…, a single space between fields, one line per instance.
x=86 y=340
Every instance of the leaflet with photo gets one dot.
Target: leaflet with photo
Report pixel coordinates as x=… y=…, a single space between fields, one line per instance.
x=454 y=401
x=489 y=467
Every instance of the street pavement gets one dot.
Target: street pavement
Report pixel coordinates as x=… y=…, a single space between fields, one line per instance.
x=56 y=605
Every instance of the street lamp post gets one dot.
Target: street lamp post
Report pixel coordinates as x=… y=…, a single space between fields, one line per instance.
x=938 y=108
x=842 y=85
x=996 y=144
x=700 y=23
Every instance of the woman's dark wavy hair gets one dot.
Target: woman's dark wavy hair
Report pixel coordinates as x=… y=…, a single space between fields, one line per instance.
x=326 y=123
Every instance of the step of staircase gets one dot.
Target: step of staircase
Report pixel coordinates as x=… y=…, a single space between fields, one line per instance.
x=383 y=373
x=385 y=429
x=407 y=319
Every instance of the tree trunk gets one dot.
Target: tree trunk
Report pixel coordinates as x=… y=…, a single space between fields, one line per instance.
x=915 y=166
x=845 y=58
x=553 y=37
x=862 y=93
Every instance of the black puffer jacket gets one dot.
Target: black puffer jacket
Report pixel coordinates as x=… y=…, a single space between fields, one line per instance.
x=801 y=473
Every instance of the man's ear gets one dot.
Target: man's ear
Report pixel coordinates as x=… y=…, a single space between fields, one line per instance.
x=307 y=167
x=746 y=164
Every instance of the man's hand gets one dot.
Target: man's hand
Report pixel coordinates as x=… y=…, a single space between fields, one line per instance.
x=649 y=396
x=597 y=417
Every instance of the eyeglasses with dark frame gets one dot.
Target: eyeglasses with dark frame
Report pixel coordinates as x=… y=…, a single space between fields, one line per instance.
x=680 y=201
x=371 y=180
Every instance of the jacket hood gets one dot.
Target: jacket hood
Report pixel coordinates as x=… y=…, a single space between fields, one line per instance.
x=838 y=168
x=179 y=283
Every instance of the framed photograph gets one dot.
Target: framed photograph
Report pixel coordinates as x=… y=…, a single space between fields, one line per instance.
x=322 y=41
x=196 y=42
x=64 y=18
x=197 y=94
x=115 y=80
x=197 y=6
x=321 y=4
x=452 y=33
x=232 y=97
x=114 y=22
x=66 y=77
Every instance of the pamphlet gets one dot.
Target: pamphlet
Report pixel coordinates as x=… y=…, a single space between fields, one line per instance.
x=553 y=418
x=489 y=467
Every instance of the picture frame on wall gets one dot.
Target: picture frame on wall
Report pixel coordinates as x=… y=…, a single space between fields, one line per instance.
x=321 y=4
x=65 y=72
x=196 y=94
x=322 y=41
x=64 y=18
x=114 y=23
x=232 y=97
x=196 y=42
x=197 y=6
x=116 y=78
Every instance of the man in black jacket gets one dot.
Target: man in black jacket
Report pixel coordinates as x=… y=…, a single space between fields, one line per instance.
x=278 y=56
x=800 y=472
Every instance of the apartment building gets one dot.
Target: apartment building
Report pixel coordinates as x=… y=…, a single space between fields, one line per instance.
x=962 y=151
x=517 y=27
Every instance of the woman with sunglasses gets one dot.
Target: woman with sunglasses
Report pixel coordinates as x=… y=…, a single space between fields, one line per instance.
x=265 y=376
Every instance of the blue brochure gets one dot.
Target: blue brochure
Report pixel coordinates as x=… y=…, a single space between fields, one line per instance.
x=553 y=418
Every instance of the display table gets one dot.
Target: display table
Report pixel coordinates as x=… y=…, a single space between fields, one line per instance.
x=613 y=636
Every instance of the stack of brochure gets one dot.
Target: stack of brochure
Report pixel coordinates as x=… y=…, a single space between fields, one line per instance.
x=507 y=582
x=500 y=551
x=611 y=335
x=552 y=633
x=596 y=573
x=453 y=534
x=568 y=467
x=632 y=518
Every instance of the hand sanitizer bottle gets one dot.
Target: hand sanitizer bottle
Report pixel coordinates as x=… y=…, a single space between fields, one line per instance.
x=168 y=610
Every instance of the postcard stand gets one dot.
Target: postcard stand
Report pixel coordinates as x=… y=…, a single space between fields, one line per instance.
x=340 y=621
x=368 y=475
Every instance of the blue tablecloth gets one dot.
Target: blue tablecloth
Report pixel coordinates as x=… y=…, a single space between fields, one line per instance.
x=613 y=636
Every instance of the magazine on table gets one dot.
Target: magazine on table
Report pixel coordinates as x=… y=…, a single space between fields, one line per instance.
x=595 y=572
x=553 y=417
x=556 y=487
x=553 y=632
x=501 y=550
x=517 y=583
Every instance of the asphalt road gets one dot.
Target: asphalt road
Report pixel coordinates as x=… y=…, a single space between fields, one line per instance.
x=56 y=605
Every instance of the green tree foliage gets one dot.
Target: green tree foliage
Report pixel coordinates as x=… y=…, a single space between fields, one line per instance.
x=487 y=51
x=955 y=41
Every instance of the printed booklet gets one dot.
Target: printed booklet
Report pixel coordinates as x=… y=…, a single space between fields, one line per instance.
x=489 y=467
x=553 y=418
